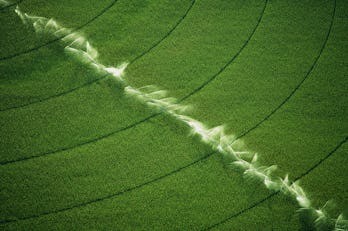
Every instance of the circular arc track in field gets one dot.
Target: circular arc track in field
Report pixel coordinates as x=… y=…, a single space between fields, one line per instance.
x=301 y=82
x=206 y=156
x=104 y=76
x=236 y=214
x=144 y=119
x=273 y=112
x=57 y=39
x=277 y=192
x=167 y=175
x=195 y=162
x=112 y=195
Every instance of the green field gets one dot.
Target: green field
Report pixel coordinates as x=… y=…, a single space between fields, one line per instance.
x=78 y=154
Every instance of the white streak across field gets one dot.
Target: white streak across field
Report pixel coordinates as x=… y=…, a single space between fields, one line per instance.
x=78 y=46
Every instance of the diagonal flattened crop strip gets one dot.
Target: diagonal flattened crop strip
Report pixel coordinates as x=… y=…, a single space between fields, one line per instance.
x=254 y=205
x=104 y=76
x=215 y=137
x=119 y=193
x=273 y=112
x=59 y=38
x=146 y=118
x=185 y=97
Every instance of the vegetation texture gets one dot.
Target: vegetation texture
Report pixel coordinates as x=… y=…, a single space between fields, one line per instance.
x=78 y=153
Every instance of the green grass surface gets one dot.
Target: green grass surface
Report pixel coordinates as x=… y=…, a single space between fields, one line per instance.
x=76 y=153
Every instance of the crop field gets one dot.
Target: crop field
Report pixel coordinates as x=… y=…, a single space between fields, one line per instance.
x=174 y=115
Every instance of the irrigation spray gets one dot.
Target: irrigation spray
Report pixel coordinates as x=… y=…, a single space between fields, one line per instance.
x=79 y=47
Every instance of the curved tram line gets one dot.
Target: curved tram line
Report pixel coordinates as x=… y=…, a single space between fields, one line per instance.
x=146 y=118
x=215 y=137
x=104 y=76
x=59 y=38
